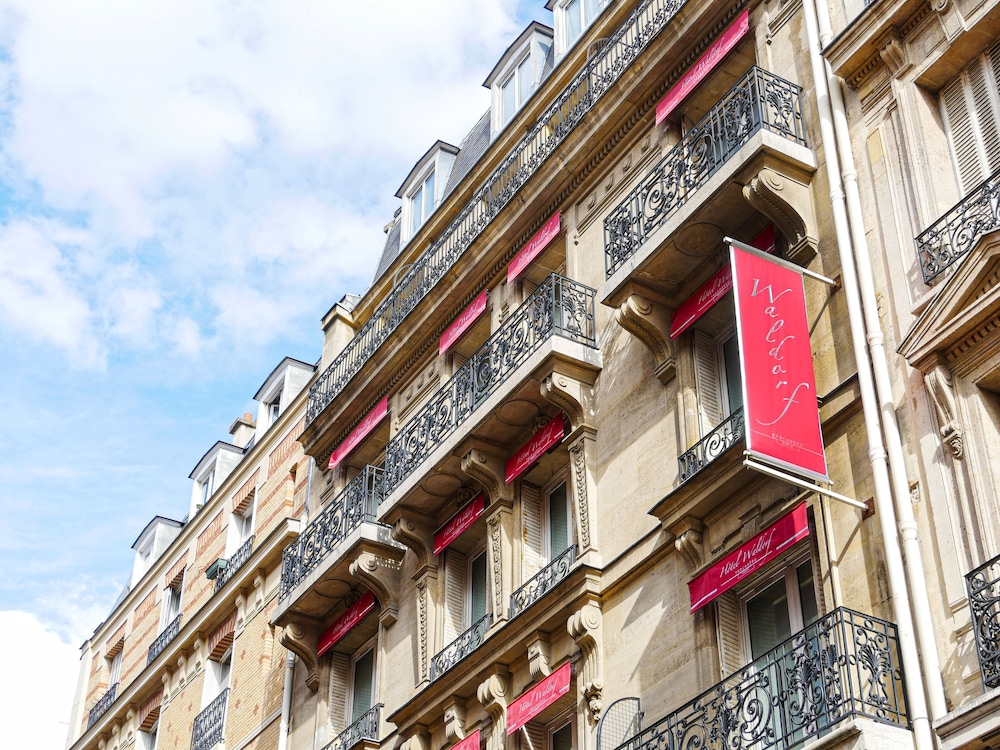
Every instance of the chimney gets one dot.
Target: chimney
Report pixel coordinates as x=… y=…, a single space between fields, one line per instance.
x=243 y=430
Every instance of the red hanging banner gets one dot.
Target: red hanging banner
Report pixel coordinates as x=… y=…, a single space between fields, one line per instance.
x=712 y=57
x=779 y=386
x=471 y=742
x=359 y=433
x=713 y=290
x=549 y=231
x=551 y=434
x=343 y=624
x=540 y=697
x=458 y=523
x=749 y=558
x=462 y=323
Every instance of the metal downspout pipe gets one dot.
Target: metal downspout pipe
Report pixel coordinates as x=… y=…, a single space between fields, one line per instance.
x=916 y=577
x=916 y=698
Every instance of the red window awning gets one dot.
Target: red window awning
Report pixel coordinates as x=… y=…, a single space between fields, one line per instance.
x=369 y=423
x=534 y=247
x=458 y=523
x=551 y=434
x=343 y=624
x=538 y=698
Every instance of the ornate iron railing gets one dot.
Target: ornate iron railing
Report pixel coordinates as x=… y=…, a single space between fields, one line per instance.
x=983 y=585
x=210 y=723
x=101 y=707
x=237 y=561
x=461 y=647
x=759 y=101
x=365 y=728
x=710 y=447
x=559 y=306
x=542 y=582
x=357 y=503
x=950 y=238
x=844 y=665
x=163 y=639
x=525 y=159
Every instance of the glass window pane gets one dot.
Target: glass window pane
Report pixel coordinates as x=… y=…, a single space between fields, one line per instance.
x=364 y=681
x=573 y=25
x=508 y=101
x=593 y=8
x=562 y=738
x=767 y=617
x=429 y=195
x=807 y=593
x=417 y=210
x=558 y=521
x=734 y=388
x=478 y=584
x=524 y=81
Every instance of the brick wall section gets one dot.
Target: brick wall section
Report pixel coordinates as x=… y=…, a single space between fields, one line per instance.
x=257 y=678
x=285 y=448
x=145 y=628
x=244 y=495
x=211 y=545
x=177 y=718
x=275 y=502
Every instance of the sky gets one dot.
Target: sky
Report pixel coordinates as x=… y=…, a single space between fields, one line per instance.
x=185 y=189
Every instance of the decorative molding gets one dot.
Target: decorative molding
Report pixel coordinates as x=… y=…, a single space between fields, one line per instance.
x=489 y=470
x=301 y=639
x=492 y=693
x=788 y=204
x=381 y=575
x=688 y=536
x=584 y=627
x=939 y=385
x=454 y=721
x=423 y=635
x=649 y=321
x=572 y=396
x=495 y=558
x=538 y=657
x=892 y=52
x=581 y=493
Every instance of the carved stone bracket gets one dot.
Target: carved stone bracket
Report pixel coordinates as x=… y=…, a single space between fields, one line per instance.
x=584 y=627
x=489 y=470
x=538 y=657
x=419 y=738
x=649 y=321
x=492 y=693
x=381 y=575
x=300 y=639
x=454 y=721
x=572 y=396
x=939 y=385
x=788 y=204
x=688 y=536
x=416 y=531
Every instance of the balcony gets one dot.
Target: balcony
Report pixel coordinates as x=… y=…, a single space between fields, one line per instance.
x=845 y=665
x=237 y=561
x=525 y=159
x=163 y=640
x=954 y=235
x=210 y=724
x=559 y=308
x=710 y=447
x=459 y=648
x=542 y=582
x=983 y=585
x=101 y=707
x=364 y=729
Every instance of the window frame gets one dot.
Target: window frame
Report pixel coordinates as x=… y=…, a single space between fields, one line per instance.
x=561 y=478
x=420 y=187
x=479 y=551
x=371 y=645
x=785 y=569
x=561 y=15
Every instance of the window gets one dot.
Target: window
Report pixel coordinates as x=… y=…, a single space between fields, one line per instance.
x=517 y=74
x=478 y=588
x=562 y=735
x=421 y=203
x=558 y=532
x=115 y=668
x=240 y=528
x=171 y=606
x=274 y=409
x=217 y=678
x=467 y=598
x=516 y=89
x=717 y=375
x=362 y=683
x=207 y=486
x=784 y=607
x=147 y=739
x=572 y=17
x=971 y=109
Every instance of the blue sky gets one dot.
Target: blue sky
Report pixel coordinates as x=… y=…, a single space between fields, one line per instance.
x=185 y=189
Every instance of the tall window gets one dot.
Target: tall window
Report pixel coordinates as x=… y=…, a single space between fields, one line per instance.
x=171 y=606
x=242 y=525
x=147 y=739
x=478 y=597
x=558 y=534
x=573 y=16
x=207 y=487
x=362 y=683
x=217 y=678
x=783 y=607
x=971 y=107
x=115 y=668
x=274 y=409
x=421 y=204
x=516 y=89
x=717 y=373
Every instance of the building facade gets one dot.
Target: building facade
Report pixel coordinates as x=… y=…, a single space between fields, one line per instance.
x=520 y=506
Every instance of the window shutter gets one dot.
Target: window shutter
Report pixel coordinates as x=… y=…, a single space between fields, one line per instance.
x=454 y=596
x=727 y=610
x=533 y=736
x=971 y=107
x=340 y=670
x=533 y=558
x=707 y=382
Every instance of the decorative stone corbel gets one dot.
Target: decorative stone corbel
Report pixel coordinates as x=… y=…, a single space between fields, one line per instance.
x=584 y=627
x=300 y=639
x=454 y=721
x=572 y=396
x=489 y=470
x=788 y=204
x=418 y=739
x=416 y=531
x=492 y=693
x=688 y=537
x=381 y=575
x=538 y=657
x=939 y=385
x=649 y=321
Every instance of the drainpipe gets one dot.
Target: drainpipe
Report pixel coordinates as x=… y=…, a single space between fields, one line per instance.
x=916 y=578
x=916 y=698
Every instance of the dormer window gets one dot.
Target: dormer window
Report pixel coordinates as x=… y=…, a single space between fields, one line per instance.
x=424 y=187
x=514 y=79
x=278 y=392
x=421 y=203
x=572 y=17
x=274 y=409
x=211 y=471
x=207 y=486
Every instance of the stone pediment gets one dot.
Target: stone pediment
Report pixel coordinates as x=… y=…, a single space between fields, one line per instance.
x=961 y=325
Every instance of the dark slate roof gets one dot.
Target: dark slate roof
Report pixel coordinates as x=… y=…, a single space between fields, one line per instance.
x=391 y=249
x=473 y=147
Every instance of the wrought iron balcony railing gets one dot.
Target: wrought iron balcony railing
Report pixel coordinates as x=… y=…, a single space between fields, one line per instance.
x=101 y=707
x=210 y=724
x=950 y=238
x=983 y=585
x=844 y=665
x=554 y=126
x=710 y=447
x=759 y=101
x=461 y=647
x=542 y=582
x=163 y=639
x=365 y=728
x=237 y=561
x=558 y=307
x=357 y=503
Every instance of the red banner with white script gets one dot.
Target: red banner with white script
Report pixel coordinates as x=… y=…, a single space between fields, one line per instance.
x=549 y=231
x=458 y=523
x=462 y=323
x=471 y=742
x=749 y=558
x=531 y=451
x=343 y=624
x=369 y=423
x=781 y=413
x=540 y=697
